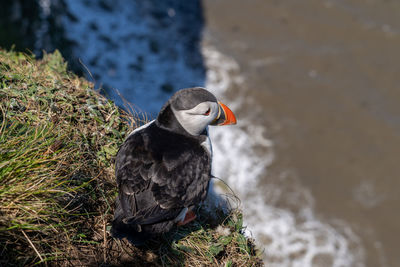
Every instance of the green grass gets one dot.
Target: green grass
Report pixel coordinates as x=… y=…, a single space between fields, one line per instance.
x=58 y=139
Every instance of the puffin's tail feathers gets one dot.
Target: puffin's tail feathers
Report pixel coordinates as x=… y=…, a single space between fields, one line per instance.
x=146 y=224
x=133 y=232
x=120 y=230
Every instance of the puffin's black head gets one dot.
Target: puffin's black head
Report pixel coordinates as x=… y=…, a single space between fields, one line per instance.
x=193 y=109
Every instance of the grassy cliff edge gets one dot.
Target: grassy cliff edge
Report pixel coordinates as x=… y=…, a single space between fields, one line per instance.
x=58 y=139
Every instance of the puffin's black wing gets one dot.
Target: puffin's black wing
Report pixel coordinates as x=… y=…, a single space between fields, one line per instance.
x=158 y=174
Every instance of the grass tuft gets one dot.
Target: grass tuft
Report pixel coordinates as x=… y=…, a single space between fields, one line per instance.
x=58 y=139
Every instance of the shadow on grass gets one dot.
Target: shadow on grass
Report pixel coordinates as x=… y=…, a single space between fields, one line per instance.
x=211 y=239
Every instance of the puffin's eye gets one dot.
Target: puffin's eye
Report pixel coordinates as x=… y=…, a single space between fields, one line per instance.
x=207 y=112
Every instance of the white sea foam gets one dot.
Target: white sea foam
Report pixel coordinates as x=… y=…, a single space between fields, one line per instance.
x=289 y=238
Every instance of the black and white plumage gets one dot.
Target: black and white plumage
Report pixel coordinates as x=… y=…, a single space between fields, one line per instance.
x=164 y=167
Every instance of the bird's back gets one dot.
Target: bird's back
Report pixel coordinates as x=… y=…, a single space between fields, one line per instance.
x=158 y=174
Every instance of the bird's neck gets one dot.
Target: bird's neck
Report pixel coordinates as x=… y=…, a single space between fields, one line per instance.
x=166 y=119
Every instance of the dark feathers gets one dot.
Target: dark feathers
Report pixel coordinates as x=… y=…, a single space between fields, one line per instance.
x=159 y=172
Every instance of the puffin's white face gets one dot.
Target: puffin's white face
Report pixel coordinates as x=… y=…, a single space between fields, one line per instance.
x=195 y=120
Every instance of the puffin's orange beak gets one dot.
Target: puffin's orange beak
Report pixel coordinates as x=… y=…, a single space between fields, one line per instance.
x=225 y=116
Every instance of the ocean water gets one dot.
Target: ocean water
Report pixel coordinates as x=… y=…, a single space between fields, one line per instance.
x=289 y=238
x=321 y=78
x=303 y=158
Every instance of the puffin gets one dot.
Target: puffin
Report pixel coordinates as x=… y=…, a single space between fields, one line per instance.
x=163 y=168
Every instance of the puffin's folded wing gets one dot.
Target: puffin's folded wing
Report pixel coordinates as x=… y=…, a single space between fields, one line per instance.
x=183 y=178
x=133 y=169
x=132 y=165
x=154 y=177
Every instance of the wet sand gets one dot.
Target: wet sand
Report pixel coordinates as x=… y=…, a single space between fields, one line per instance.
x=326 y=77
